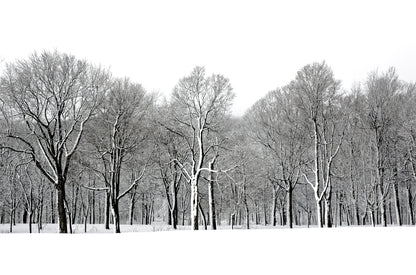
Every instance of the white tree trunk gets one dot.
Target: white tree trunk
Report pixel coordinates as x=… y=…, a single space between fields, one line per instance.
x=194 y=204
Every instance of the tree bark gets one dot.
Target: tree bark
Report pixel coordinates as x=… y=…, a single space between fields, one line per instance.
x=317 y=176
x=289 y=205
x=93 y=207
x=52 y=207
x=30 y=217
x=247 y=214
x=107 y=211
x=328 y=222
x=274 y=204
x=410 y=205
x=60 y=202
x=319 y=213
x=204 y=220
x=211 y=199
x=173 y=212
x=397 y=203
x=116 y=216
x=194 y=204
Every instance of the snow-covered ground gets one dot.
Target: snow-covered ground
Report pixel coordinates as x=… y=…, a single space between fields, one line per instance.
x=99 y=228
x=347 y=250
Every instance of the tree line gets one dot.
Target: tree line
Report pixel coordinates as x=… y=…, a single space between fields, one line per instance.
x=80 y=146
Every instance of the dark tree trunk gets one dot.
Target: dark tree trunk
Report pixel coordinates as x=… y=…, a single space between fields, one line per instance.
x=204 y=220
x=40 y=214
x=211 y=198
x=169 y=216
x=30 y=217
x=52 y=206
x=274 y=205
x=99 y=210
x=264 y=208
x=340 y=209
x=410 y=204
x=107 y=210
x=373 y=218
x=289 y=205
x=247 y=215
x=60 y=202
x=24 y=215
x=173 y=211
x=40 y=210
x=85 y=223
x=92 y=214
x=327 y=201
x=11 y=221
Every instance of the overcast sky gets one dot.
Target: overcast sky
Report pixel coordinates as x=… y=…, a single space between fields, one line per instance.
x=258 y=44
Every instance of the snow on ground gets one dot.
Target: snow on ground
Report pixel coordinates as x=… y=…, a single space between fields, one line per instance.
x=347 y=250
x=99 y=228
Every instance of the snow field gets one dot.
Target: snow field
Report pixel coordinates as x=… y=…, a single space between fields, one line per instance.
x=353 y=250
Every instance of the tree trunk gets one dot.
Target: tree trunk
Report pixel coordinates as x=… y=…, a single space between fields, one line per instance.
x=30 y=217
x=265 y=212
x=204 y=220
x=380 y=177
x=52 y=207
x=24 y=215
x=40 y=211
x=93 y=207
x=194 y=204
x=131 y=210
x=383 y=213
x=274 y=205
x=173 y=211
x=11 y=221
x=211 y=199
x=318 y=213
x=410 y=204
x=107 y=210
x=397 y=203
x=247 y=215
x=85 y=223
x=40 y=214
x=289 y=206
x=328 y=222
x=60 y=202
x=116 y=215
x=373 y=218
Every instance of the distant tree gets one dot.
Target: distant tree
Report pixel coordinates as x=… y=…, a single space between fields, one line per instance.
x=381 y=94
x=121 y=130
x=275 y=123
x=169 y=152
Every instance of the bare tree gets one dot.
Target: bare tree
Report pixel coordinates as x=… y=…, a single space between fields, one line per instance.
x=275 y=123
x=317 y=95
x=120 y=131
x=49 y=98
x=381 y=113
x=200 y=105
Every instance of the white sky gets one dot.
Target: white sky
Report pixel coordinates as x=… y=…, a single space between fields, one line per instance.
x=258 y=44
